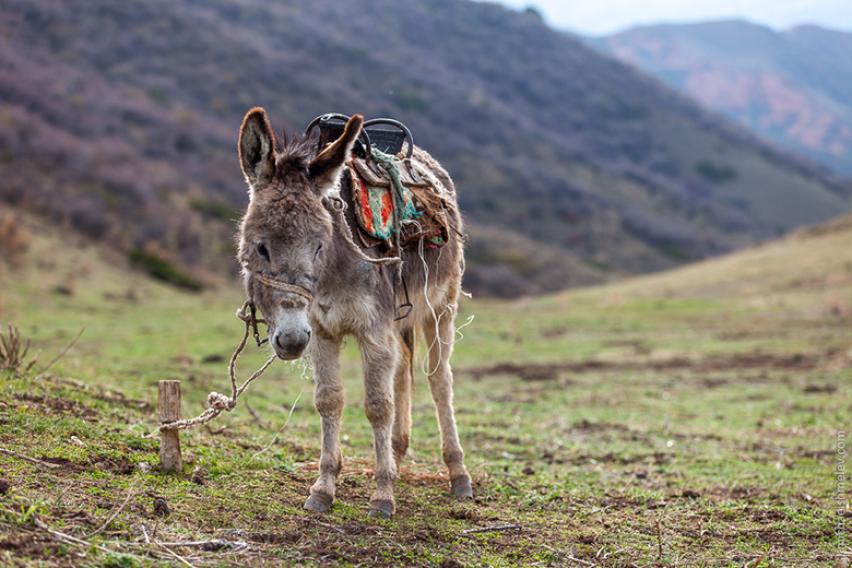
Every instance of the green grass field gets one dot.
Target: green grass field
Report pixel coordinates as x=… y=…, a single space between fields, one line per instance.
x=685 y=419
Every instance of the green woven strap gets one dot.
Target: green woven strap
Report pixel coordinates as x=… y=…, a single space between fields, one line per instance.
x=403 y=207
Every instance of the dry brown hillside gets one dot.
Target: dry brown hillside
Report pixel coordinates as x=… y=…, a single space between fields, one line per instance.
x=816 y=259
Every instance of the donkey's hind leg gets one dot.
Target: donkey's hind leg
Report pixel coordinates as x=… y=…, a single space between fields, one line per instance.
x=328 y=399
x=402 y=387
x=439 y=338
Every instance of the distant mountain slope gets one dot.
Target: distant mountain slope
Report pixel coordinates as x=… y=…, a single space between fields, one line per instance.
x=793 y=87
x=814 y=261
x=120 y=119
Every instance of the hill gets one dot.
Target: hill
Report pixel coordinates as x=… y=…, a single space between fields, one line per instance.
x=120 y=119
x=811 y=261
x=793 y=87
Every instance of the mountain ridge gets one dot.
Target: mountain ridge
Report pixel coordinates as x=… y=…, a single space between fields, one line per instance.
x=790 y=86
x=120 y=120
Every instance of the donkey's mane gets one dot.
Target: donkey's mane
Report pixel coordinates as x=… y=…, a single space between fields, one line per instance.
x=296 y=153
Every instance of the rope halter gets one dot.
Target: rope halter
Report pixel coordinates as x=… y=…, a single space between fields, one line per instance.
x=248 y=312
x=285 y=287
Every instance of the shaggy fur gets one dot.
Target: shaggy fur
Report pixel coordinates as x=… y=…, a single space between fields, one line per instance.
x=289 y=234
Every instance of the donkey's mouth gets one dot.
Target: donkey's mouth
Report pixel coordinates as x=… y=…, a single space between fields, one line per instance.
x=288 y=357
x=286 y=354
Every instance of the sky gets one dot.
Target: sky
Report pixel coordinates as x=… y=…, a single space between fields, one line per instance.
x=598 y=17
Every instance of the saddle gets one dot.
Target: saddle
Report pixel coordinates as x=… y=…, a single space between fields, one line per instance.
x=396 y=204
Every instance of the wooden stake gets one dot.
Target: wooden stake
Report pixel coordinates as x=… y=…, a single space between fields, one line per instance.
x=168 y=407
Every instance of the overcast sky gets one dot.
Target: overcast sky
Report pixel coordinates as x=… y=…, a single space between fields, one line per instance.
x=606 y=16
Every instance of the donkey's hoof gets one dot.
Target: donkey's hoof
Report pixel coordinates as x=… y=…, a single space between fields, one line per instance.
x=319 y=502
x=461 y=487
x=382 y=509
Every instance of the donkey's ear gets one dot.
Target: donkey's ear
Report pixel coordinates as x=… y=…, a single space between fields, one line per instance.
x=326 y=167
x=257 y=148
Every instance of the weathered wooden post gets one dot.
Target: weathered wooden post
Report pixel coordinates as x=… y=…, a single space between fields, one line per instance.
x=168 y=407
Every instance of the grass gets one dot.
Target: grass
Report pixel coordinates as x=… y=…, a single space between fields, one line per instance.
x=660 y=422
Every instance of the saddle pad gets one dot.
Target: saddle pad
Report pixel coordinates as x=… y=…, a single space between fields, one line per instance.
x=374 y=206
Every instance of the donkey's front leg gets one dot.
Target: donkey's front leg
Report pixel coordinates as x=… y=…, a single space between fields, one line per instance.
x=380 y=356
x=328 y=400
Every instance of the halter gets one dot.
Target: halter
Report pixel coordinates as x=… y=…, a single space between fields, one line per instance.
x=248 y=313
x=285 y=286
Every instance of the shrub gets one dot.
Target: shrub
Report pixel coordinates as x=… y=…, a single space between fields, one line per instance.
x=14 y=240
x=163 y=269
x=714 y=172
x=216 y=210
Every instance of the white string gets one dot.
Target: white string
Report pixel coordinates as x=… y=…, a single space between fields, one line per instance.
x=468 y=321
x=457 y=335
x=435 y=317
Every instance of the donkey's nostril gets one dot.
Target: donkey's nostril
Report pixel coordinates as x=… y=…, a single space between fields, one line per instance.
x=278 y=338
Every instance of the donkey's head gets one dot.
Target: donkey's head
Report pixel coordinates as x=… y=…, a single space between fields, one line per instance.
x=287 y=229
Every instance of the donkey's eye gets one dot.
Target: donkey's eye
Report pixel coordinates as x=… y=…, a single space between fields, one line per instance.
x=263 y=251
x=319 y=249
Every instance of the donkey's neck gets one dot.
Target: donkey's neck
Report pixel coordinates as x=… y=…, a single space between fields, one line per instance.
x=346 y=289
x=345 y=268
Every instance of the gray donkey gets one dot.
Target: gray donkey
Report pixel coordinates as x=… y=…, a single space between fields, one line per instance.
x=314 y=286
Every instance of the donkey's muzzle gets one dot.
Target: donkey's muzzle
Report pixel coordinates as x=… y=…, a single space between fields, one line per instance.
x=290 y=343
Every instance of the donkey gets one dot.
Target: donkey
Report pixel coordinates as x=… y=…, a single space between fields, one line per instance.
x=314 y=286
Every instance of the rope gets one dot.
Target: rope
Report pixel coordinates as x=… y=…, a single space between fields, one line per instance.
x=216 y=401
x=300 y=291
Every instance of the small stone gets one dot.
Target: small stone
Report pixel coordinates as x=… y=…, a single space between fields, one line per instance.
x=76 y=441
x=641 y=475
x=143 y=467
x=528 y=470
x=690 y=494
x=199 y=476
x=4 y=486
x=161 y=508
x=63 y=290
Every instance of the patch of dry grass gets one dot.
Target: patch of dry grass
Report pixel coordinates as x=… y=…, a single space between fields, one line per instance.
x=14 y=351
